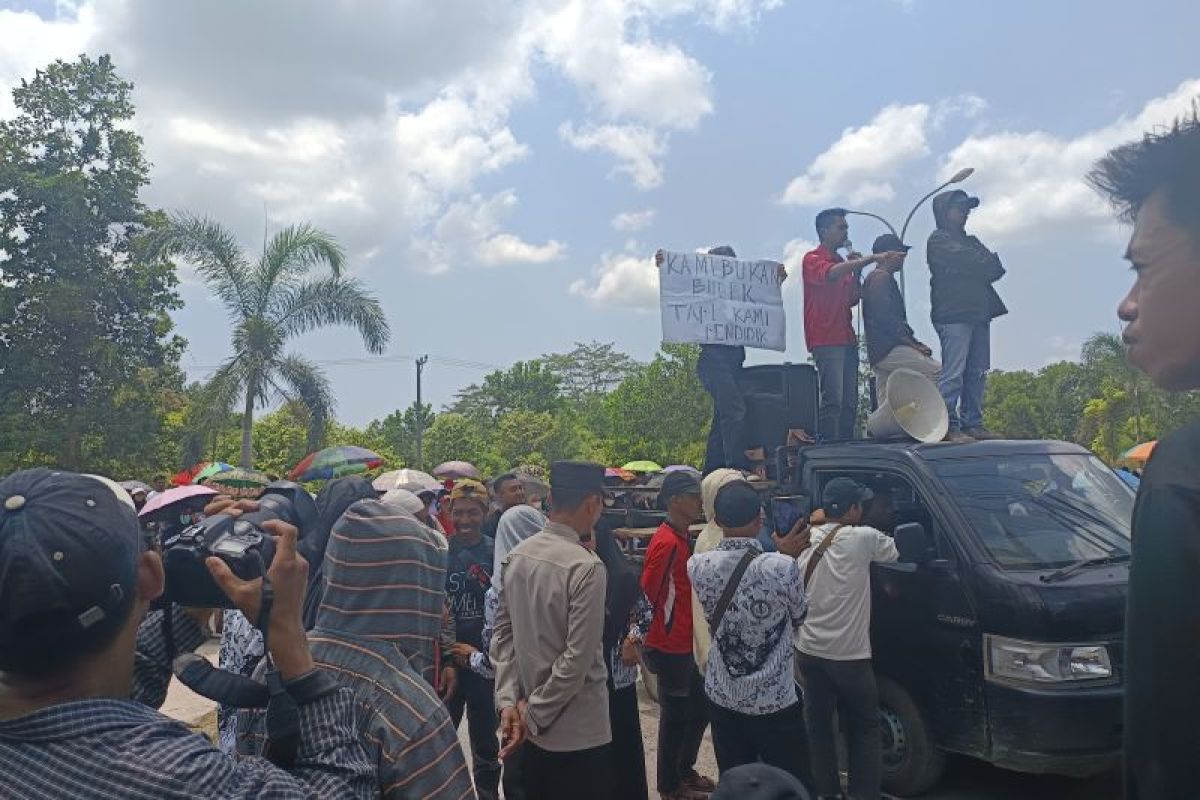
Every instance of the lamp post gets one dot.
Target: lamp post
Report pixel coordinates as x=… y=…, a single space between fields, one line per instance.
x=958 y=177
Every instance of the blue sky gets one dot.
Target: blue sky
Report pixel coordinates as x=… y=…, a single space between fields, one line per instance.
x=475 y=166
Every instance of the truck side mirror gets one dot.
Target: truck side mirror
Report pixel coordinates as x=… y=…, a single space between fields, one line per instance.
x=913 y=543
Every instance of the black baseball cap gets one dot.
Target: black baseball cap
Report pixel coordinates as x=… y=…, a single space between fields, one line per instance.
x=889 y=242
x=759 y=782
x=960 y=198
x=676 y=483
x=69 y=545
x=737 y=504
x=841 y=494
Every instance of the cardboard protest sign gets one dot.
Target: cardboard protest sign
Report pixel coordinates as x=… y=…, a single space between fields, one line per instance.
x=709 y=299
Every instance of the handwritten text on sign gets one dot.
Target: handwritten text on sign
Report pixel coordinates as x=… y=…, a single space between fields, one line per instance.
x=720 y=300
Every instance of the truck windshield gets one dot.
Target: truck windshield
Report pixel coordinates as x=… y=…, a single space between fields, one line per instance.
x=1043 y=510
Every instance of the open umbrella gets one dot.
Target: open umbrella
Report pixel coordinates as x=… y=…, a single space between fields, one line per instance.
x=176 y=501
x=210 y=470
x=334 y=462
x=642 y=466
x=135 y=486
x=1139 y=453
x=413 y=480
x=681 y=468
x=456 y=470
x=239 y=482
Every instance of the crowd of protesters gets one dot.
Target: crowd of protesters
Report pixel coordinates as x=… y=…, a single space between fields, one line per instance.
x=393 y=615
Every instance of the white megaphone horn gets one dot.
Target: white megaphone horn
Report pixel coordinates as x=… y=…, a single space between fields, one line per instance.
x=912 y=408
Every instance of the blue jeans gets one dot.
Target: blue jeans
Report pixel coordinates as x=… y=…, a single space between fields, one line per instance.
x=966 y=359
x=837 y=372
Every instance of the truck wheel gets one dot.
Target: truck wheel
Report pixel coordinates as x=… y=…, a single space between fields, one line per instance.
x=911 y=762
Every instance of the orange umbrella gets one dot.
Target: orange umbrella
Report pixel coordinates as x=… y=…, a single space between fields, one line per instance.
x=1139 y=452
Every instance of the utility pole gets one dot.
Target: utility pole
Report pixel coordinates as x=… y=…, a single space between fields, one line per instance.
x=421 y=362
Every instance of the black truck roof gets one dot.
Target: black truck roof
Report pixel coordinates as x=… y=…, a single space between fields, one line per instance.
x=999 y=448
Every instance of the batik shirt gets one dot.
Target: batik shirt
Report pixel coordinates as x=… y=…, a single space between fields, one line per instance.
x=241 y=651
x=623 y=675
x=750 y=666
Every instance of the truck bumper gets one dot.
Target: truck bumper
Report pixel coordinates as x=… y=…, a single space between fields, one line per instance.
x=1064 y=730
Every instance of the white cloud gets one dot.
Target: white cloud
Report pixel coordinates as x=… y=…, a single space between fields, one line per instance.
x=1032 y=183
x=631 y=221
x=470 y=229
x=859 y=167
x=28 y=43
x=624 y=280
x=793 y=254
x=637 y=149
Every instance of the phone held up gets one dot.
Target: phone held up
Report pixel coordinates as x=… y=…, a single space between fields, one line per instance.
x=786 y=510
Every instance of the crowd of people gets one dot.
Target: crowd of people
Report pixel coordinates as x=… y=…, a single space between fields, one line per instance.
x=374 y=632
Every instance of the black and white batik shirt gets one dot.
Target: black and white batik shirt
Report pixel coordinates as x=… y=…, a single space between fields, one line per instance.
x=750 y=666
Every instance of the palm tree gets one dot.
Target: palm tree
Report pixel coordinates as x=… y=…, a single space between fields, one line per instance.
x=269 y=302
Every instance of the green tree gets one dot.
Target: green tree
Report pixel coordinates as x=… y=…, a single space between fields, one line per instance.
x=455 y=436
x=399 y=430
x=660 y=411
x=271 y=301
x=525 y=386
x=590 y=370
x=85 y=334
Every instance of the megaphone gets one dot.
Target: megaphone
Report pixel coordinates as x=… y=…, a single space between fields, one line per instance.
x=912 y=407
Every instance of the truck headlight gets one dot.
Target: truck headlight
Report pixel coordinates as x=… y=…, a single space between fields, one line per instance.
x=1013 y=660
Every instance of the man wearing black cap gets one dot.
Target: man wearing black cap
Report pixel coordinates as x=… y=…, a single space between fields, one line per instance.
x=75 y=583
x=547 y=647
x=669 y=642
x=835 y=642
x=961 y=274
x=750 y=680
x=891 y=343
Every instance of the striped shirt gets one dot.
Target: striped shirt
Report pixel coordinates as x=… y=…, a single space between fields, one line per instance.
x=751 y=663
x=123 y=750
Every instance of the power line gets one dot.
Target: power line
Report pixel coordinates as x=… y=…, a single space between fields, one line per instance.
x=448 y=361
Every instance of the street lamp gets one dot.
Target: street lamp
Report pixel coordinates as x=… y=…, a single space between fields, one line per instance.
x=958 y=177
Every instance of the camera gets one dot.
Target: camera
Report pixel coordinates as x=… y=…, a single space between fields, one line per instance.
x=238 y=541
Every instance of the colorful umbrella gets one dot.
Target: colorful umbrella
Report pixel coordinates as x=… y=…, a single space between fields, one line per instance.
x=456 y=470
x=1139 y=452
x=681 y=468
x=413 y=480
x=210 y=470
x=239 y=482
x=334 y=462
x=642 y=466
x=176 y=501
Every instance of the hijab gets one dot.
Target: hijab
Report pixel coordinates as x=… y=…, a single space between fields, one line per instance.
x=332 y=501
x=712 y=483
x=515 y=526
x=623 y=587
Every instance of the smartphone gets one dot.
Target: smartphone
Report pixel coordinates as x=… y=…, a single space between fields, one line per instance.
x=787 y=509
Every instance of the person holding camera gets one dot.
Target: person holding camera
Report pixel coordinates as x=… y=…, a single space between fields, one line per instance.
x=753 y=602
x=75 y=583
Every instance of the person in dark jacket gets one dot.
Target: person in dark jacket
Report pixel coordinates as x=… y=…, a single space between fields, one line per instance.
x=891 y=343
x=1155 y=183
x=964 y=302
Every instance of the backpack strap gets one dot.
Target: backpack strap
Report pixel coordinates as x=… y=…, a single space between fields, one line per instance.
x=818 y=552
x=730 y=589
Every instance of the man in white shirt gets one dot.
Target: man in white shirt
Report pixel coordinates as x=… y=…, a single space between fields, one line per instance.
x=834 y=643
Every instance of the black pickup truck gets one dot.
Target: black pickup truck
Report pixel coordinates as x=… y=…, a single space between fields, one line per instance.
x=999 y=634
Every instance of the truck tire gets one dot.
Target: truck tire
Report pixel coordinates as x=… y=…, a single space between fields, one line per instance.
x=912 y=763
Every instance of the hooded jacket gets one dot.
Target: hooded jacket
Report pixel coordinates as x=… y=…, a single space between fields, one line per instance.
x=961 y=273
x=375 y=632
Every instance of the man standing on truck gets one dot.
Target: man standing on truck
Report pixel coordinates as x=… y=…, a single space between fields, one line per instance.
x=668 y=646
x=835 y=642
x=961 y=274
x=891 y=342
x=1155 y=183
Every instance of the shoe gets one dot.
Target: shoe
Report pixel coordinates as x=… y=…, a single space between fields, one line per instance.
x=958 y=437
x=698 y=783
x=982 y=434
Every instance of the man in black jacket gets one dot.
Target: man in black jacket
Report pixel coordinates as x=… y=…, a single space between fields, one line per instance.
x=964 y=302
x=1155 y=183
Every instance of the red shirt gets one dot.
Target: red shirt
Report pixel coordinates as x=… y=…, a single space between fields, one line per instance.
x=665 y=581
x=827 y=319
